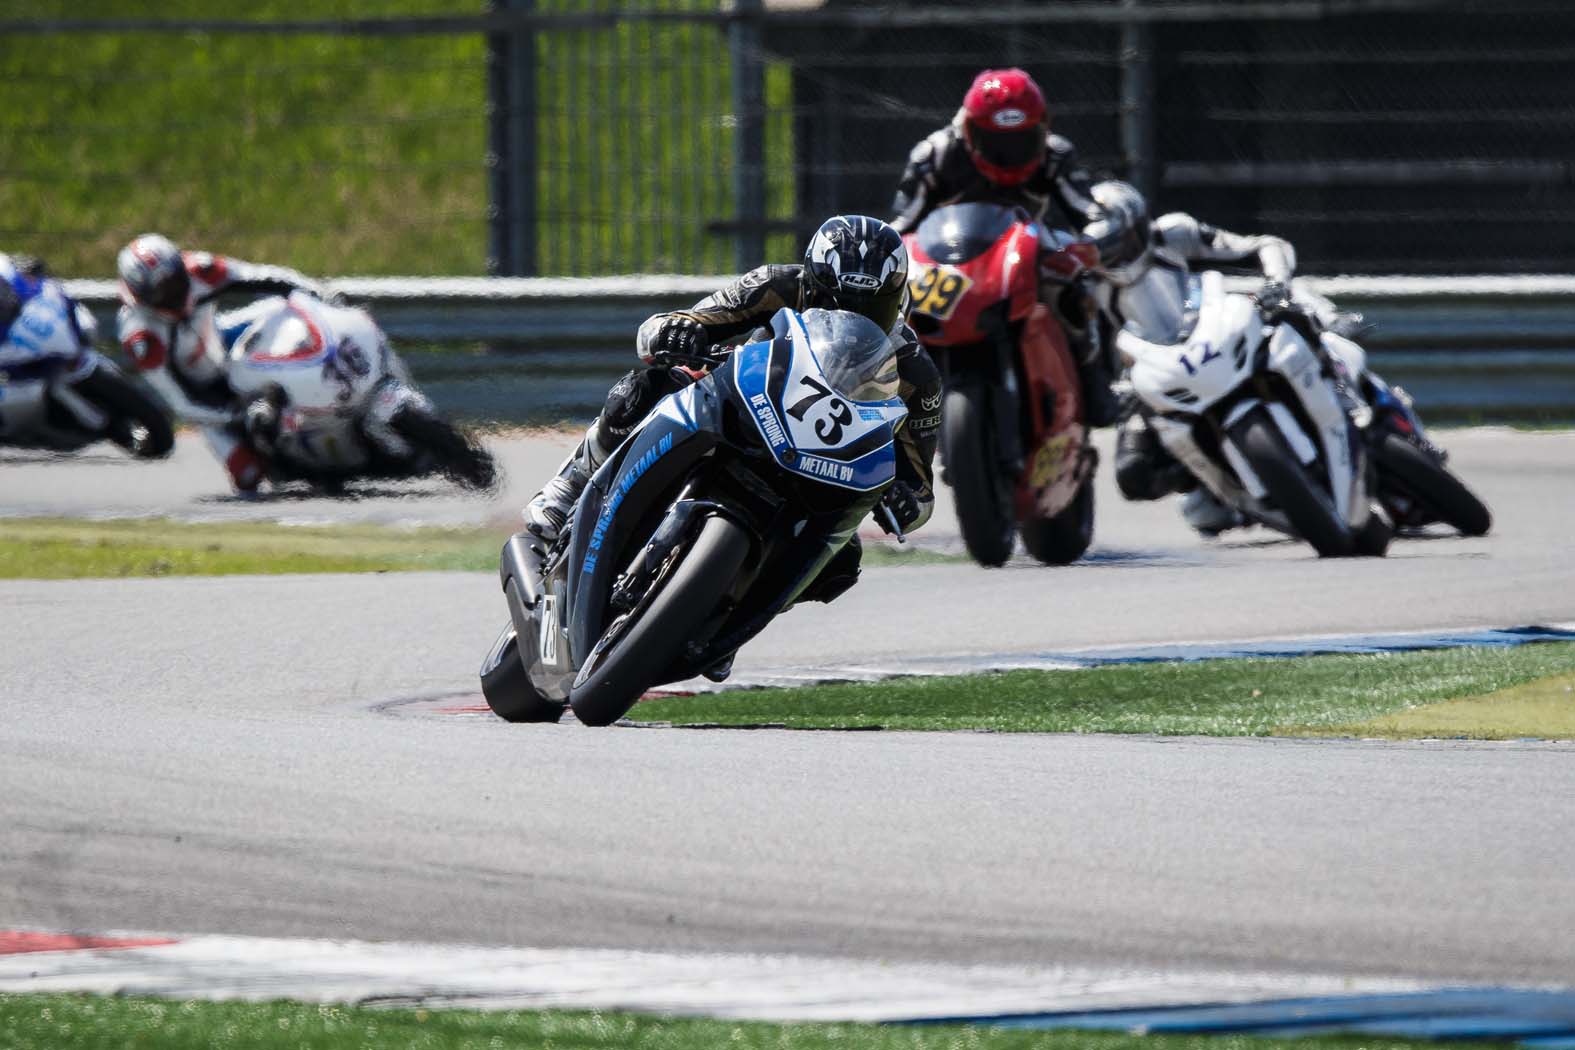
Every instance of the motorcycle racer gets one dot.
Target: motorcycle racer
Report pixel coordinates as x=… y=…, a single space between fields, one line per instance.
x=999 y=147
x=170 y=326
x=852 y=263
x=1147 y=266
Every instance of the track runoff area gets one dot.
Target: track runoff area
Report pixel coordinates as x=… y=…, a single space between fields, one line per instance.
x=198 y=811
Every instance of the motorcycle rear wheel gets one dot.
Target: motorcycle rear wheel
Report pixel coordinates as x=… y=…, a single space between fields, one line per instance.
x=137 y=423
x=1064 y=538
x=983 y=497
x=1429 y=481
x=508 y=688
x=1291 y=488
x=460 y=458
x=637 y=660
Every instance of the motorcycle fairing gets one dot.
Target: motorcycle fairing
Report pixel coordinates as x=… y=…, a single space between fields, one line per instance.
x=959 y=295
x=328 y=359
x=44 y=331
x=831 y=439
x=1192 y=376
x=1056 y=465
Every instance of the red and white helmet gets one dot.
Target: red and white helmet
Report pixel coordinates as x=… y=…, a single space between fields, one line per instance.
x=152 y=273
x=1004 y=124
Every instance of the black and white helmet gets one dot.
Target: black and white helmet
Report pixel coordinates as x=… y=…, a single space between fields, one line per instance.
x=1123 y=232
x=152 y=273
x=859 y=264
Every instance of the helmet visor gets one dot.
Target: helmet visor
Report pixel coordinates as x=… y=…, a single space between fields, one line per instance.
x=1017 y=148
x=882 y=305
x=170 y=291
x=857 y=358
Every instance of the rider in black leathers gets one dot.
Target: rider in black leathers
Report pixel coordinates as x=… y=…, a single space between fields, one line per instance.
x=999 y=148
x=673 y=347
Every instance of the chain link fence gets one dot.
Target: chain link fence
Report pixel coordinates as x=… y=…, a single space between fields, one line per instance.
x=582 y=137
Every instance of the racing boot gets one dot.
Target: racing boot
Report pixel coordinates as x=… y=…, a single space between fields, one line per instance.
x=549 y=511
x=1205 y=513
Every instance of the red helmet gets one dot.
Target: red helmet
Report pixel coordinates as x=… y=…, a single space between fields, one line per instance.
x=1004 y=124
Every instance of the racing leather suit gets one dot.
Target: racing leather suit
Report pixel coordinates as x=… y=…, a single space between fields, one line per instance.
x=941 y=171
x=738 y=309
x=183 y=356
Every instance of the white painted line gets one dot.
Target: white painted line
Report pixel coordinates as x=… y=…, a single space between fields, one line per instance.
x=777 y=988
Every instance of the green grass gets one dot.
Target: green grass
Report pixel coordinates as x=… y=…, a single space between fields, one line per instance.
x=58 y=1022
x=72 y=548
x=339 y=154
x=50 y=548
x=1213 y=697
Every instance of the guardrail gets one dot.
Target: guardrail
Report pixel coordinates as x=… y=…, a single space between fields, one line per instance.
x=1466 y=346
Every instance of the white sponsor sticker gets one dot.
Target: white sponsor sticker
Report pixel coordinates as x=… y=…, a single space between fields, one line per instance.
x=1009 y=118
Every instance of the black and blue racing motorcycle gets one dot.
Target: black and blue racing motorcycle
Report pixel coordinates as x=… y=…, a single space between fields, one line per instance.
x=705 y=524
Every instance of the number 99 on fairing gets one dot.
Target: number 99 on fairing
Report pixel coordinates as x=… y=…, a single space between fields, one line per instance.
x=936 y=290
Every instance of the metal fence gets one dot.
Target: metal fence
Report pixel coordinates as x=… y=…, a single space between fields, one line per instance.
x=582 y=137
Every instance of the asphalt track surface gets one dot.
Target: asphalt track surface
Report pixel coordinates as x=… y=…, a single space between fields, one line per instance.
x=218 y=755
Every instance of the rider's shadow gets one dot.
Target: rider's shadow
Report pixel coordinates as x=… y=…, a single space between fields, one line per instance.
x=349 y=494
x=44 y=457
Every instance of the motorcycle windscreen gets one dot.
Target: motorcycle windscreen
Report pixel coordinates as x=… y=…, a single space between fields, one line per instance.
x=961 y=232
x=794 y=389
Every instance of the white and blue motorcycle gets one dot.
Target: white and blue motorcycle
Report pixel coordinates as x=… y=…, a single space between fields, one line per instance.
x=1257 y=413
x=705 y=524
x=56 y=392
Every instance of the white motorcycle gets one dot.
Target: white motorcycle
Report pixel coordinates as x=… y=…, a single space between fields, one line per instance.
x=345 y=406
x=58 y=393
x=1255 y=412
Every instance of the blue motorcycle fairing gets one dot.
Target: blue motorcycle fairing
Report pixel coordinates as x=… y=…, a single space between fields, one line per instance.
x=820 y=434
x=44 y=338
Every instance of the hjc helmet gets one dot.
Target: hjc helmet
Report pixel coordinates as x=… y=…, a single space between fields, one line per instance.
x=1122 y=234
x=153 y=274
x=860 y=264
x=1004 y=122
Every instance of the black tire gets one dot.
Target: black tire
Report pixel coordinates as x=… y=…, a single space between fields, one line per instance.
x=508 y=688
x=983 y=497
x=1291 y=488
x=687 y=599
x=460 y=459
x=137 y=422
x=1372 y=539
x=1429 y=481
x=1064 y=538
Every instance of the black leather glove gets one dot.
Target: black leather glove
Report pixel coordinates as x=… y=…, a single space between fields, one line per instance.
x=679 y=341
x=259 y=420
x=903 y=504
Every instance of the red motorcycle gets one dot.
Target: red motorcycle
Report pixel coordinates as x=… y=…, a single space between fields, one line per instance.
x=1014 y=440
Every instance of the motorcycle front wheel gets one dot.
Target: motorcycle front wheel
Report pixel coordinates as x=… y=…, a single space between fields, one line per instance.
x=1291 y=487
x=983 y=497
x=649 y=646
